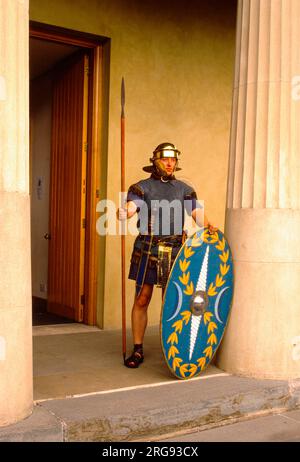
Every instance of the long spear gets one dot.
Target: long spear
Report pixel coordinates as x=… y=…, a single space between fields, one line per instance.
x=123 y=223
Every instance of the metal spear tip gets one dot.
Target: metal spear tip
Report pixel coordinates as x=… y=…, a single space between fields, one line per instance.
x=123 y=94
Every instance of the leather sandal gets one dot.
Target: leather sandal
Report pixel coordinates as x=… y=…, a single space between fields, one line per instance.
x=134 y=360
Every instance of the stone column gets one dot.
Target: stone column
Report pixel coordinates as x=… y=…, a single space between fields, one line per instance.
x=15 y=267
x=263 y=204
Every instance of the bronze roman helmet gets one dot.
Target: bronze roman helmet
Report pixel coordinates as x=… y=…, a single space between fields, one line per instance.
x=161 y=151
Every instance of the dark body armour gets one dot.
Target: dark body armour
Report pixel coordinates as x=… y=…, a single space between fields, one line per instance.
x=161 y=209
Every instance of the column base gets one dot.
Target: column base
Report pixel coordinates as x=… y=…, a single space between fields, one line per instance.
x=262 y=339
x=16 y=398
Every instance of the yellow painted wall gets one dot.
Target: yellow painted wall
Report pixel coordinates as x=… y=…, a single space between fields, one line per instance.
x=177 y=60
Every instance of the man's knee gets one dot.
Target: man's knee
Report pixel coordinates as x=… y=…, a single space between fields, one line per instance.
x=143 y=300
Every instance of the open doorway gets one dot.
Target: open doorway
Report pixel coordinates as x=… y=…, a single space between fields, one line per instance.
x=65 y=83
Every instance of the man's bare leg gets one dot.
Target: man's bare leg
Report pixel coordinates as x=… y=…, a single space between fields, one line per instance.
x=139 y=315
x=139 y=320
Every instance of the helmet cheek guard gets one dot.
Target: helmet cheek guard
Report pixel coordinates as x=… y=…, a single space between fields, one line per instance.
x=160 y=166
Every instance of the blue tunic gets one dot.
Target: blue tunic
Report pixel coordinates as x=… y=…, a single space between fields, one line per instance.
x=161 y=209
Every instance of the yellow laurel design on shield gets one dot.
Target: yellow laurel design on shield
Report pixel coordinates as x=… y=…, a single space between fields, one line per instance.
x=224 y=267
x=188 y=370
x=212 y=291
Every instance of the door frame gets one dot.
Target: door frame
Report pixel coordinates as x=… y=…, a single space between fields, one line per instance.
x=95 y=157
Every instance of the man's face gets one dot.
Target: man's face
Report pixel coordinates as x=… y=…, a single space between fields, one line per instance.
x=167 y=164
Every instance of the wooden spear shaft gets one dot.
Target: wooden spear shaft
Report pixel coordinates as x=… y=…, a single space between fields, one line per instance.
x=123 y=222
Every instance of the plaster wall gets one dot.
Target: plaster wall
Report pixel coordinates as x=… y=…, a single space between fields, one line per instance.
x=177 y=60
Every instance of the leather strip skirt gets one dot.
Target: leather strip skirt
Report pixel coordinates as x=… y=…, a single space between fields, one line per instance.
x=151 y=271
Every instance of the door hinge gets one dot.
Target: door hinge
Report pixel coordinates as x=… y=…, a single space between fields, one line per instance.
x=82 y=299
x=84 y=223
x=85 y=147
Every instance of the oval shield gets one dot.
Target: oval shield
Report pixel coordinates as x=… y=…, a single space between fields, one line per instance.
x=196 y=303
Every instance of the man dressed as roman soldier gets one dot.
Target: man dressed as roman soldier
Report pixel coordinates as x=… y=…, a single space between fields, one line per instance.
x=161 y=202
